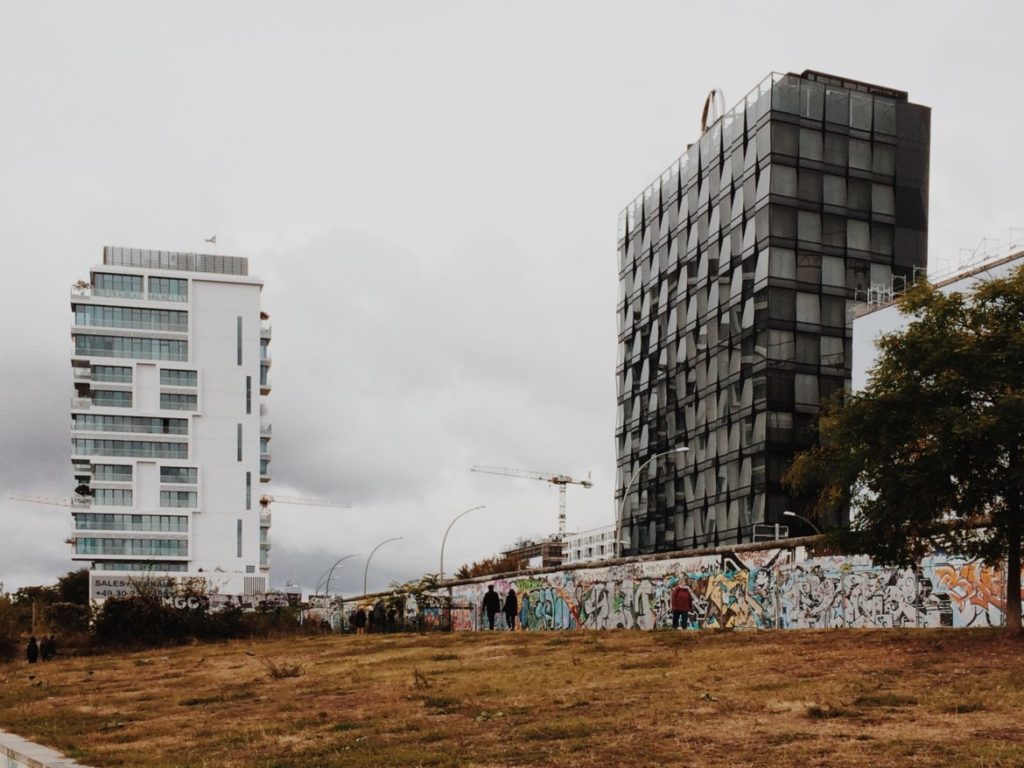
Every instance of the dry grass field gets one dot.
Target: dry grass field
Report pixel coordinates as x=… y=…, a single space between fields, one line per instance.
x=835 y=698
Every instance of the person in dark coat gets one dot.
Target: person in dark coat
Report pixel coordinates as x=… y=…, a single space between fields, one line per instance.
x=48 y=648
x=360 y=621
x=511 y=608
x=32 y=652
x=492 y=604
x=379 y=616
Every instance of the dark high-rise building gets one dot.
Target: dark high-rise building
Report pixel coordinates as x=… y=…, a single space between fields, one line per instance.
x=739 y=270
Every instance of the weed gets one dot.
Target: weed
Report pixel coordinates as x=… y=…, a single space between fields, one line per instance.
x=345 y=725
x=281 y=669
x=884 y=700
x=558 y=730
x=444 y=657
x=441 y=702
x=420 y=681
x=964 y=707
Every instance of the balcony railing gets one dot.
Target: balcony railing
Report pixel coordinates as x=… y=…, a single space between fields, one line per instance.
x=265 y=331
x=266 y=430
x=167 y=296
x=81 y=402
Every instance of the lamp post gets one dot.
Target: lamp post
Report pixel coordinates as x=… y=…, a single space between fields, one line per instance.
x=445 y=539
x=625 y=495
x=330 y=574
x=366 y=570
x=788 y=513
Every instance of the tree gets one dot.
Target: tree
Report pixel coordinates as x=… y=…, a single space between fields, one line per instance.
x=929 y=454
x=489 y=566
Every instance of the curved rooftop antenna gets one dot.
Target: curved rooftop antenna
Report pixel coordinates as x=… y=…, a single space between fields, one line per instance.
x=714 y=108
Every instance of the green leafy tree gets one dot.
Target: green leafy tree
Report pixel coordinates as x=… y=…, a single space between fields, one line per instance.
x=489 y=566
x=929 y=455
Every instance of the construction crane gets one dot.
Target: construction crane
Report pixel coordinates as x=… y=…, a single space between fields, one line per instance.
x=49 y=501
x=548 y=477
x=266 y=500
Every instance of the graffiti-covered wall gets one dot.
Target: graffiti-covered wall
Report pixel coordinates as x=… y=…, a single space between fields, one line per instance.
x=749 y=590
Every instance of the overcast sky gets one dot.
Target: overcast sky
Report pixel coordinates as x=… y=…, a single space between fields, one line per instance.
x=430 y=191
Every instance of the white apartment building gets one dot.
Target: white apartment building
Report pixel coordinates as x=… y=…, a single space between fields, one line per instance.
x=169 y=442
x=593 y=545
x=881 y=317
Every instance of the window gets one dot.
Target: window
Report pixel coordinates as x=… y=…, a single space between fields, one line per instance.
x=782 y=263
x=131 y=317
x=836 y=149
x=112 y=497
x=239 y=339
x=187 y=499
x=885 y=116
x=811 y=145
x=122 y=286
x=837 y=106
x=123 y=346
x=882 y=200
x=833 y=272
x=860 y=155
x=174 y=402
x=860 y=111
x=807 y=308
x=112 y=522
x=168 y=289
x=142 y=424
x=112 y=373
x=239 y=442
x=785 y=139
x=810 y=185
x=809 y=226
x=783 y=181
x=858 y=236
x=112 y=473
x=188 y=475
x=264 y=445
x=806 y=386
x=239 y=535
x=860 y=195
x=834 y=190
x=130 y=547
x=129 y=448
x=111 y=398
x=248 y=490
x=248 y=394
x=170 y=377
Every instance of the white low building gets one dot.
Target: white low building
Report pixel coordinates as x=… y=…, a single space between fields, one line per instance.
x=593 y=545
x=168 y=444
x=874 y=320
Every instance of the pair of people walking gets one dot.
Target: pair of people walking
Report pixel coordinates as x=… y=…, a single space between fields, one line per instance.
x=44 y=649
x=492 y=605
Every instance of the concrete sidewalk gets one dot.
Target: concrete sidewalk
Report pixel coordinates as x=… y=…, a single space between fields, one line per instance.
x=16 y=752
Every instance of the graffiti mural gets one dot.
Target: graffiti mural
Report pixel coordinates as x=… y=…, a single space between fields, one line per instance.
x=748 y=590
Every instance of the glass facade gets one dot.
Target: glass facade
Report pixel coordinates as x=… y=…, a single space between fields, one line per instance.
x=129 y=346
x=112 y=473
x=168 y=289
x=91 y=521
x=120 y=286
x=142 y=547
x=172 y=402
x=90 y=422
x=134 y=448
x=189 y=475
x=739 y=271
x=113 y=373
x=131 y=317
x=183 y=499
x=170 y=377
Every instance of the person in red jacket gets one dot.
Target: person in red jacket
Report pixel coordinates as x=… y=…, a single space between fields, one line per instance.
x=682 y=604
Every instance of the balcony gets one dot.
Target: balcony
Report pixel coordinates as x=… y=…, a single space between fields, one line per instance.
x=265 y=430
x=264 y=519
x=81 y=403
x=265 y=330
x=81 y=372
x=265 y=386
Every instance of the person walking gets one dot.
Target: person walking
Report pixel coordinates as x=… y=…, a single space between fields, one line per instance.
x=682 y=604
x=511 y=608
x=492 y=604
x=32 y=652
x=360 y=621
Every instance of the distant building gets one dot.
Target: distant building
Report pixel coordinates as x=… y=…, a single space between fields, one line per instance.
x=739 y=269
x=537 y=553
x=169 y=445
x=594 y=545
x=883 y=316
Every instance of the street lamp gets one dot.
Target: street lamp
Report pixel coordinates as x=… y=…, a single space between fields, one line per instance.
x=366 y=570
x=445 y=539
x=787 y=513
x=330 y=575
x=625 y=495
